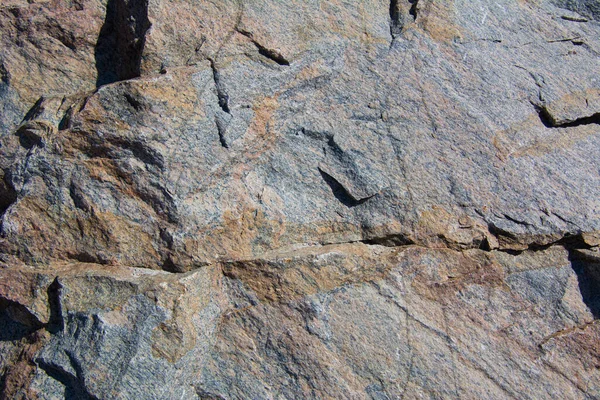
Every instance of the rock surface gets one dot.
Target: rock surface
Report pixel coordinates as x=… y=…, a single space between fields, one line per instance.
x=236 y=199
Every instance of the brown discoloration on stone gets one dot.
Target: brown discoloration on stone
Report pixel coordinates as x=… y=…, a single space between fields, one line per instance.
x=436 y=18
x=531 y=138
x=310 y=271
x=580 y=346
x=369 y=199
x=18 y=375
x=573 y=106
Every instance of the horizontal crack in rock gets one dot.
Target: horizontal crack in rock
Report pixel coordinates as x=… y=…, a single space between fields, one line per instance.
x=551 y=121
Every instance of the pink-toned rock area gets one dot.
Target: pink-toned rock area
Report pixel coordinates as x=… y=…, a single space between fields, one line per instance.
x=312 y=199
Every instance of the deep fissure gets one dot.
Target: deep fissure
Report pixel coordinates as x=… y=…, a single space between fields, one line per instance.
x=121 y=41
x=414 y=9
x=222 y=95
x=223 y=100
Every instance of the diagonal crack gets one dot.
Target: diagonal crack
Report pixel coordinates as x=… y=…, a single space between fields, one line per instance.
x=271 y=54
x=221 y=93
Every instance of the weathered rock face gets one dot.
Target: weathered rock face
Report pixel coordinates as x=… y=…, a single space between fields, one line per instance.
x=318 y=199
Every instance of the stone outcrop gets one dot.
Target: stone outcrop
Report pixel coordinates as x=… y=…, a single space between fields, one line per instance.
x=316 y=199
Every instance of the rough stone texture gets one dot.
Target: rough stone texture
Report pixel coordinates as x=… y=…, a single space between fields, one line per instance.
x=235 y=199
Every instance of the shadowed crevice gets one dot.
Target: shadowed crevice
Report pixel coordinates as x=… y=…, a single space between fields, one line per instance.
x=222 y=95
x=170 y=266
x=340 y=192
x=56 y=322
x=223 y=98
x=587 y=269
x=271 y=54
x=120 y=45
x=584 y=260
x=8 y=194
x=414 y=8
x=222 y=131
x=550 y=122
x=391 y=240
x=74 y=388
x=16 y=321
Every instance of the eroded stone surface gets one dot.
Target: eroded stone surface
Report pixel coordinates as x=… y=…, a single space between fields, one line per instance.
x=318 y=199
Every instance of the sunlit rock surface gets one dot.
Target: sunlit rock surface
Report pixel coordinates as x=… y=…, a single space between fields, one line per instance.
x=304 y=199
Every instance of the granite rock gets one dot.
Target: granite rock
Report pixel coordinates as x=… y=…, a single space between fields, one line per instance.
x=318 y=199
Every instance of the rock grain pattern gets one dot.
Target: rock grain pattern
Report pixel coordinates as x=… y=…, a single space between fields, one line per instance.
x=317 y=199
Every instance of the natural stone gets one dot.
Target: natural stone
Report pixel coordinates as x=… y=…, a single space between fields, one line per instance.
x=317 y=199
